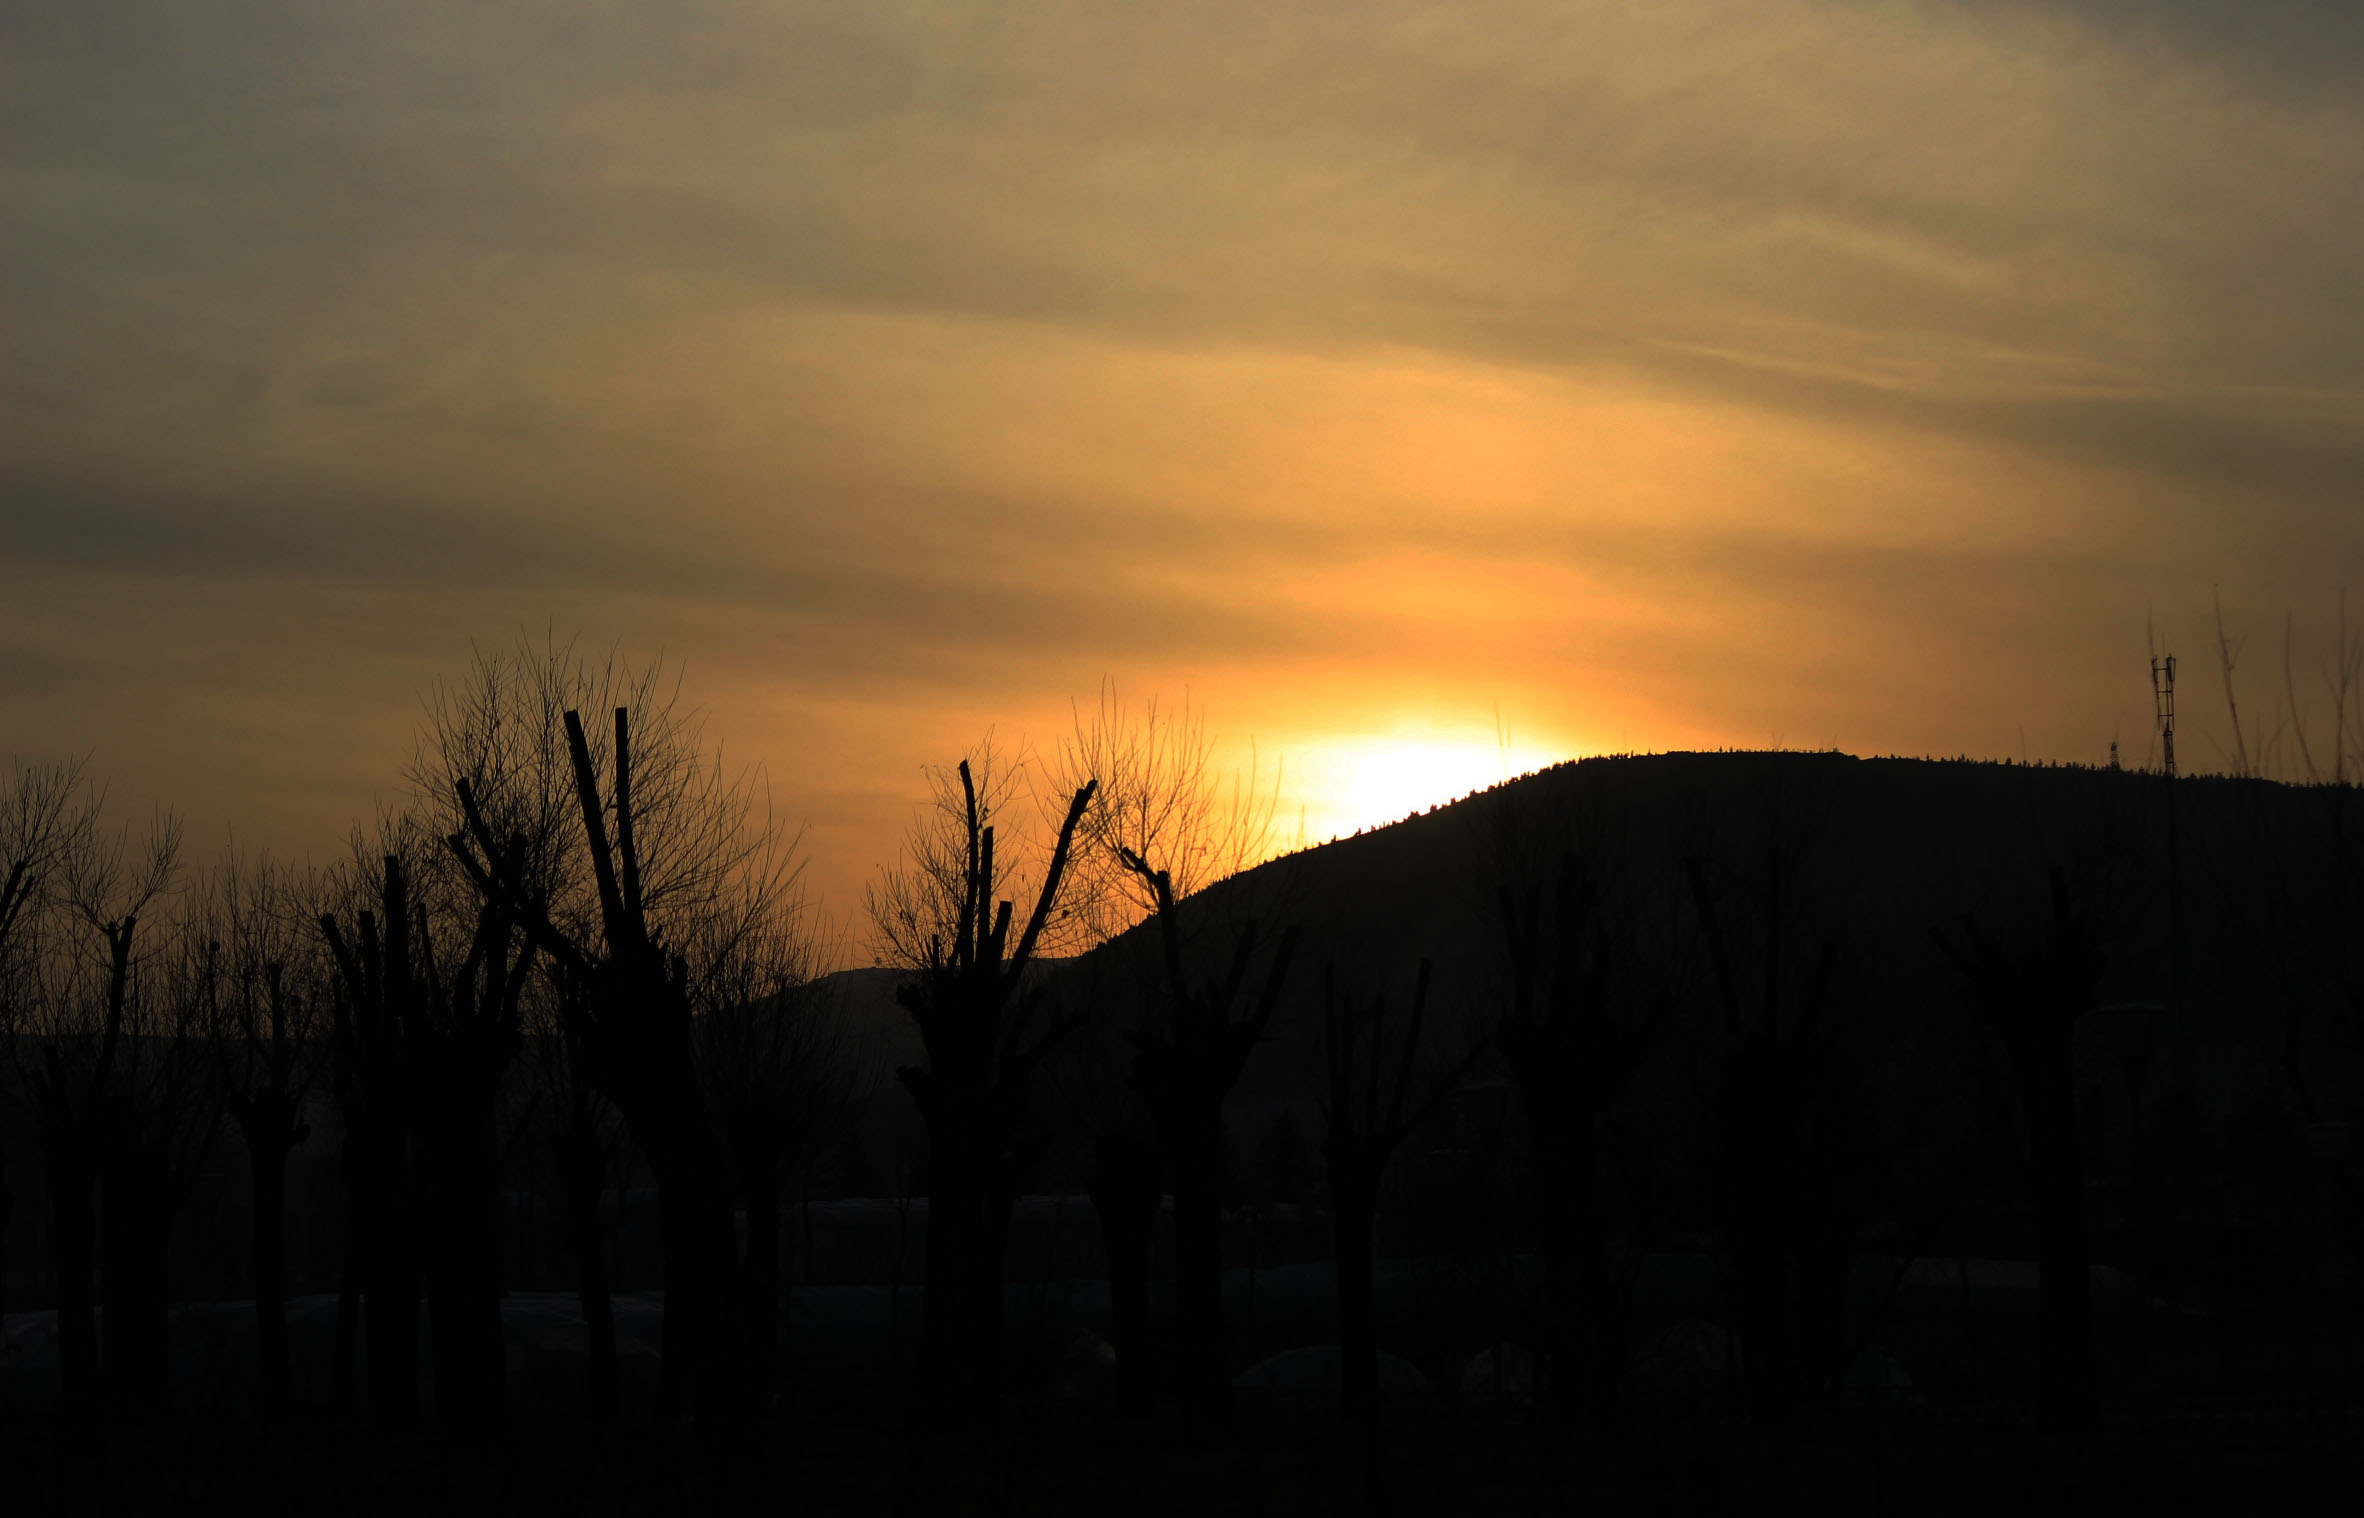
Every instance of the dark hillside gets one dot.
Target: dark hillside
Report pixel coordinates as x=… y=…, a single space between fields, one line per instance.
x=2241 y=1010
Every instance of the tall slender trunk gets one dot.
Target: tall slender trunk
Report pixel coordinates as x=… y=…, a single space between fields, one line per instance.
x=74 y=1245
x=987 y=1303
x=684 y=1315
x=1125 y=1193
x=345 y=1347
x=1354 y=1213
x=1767 y=1326
x=1204 y=1364
x=266 y=1158
x=704 y=1362
x=462 y=1233
x=945 y=1273
x=1579 y=1329
x=390 y=1284
x=587 y=1241
x=134 y=1230
x=7 y=1215
x=2057 y=1183
x=1768 y=1190
x=761 y=1283
x=1822 y=1296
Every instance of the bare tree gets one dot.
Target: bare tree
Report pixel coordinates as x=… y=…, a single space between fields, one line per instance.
x=2293 y=896
x=1162 y=827
x=1584 y=1009
x=164 y=1112
x=1776 y=1110
x=586 y=1147
x=267 y=1013
x=1126 y=1180
x=781 y=1068
x=427 y=1020
x=632 y=1005
x=1369 y=1113
x=634 y=863
x=47 y=816
x=1163 y=806
x=1782 y=1098
x=47 y=812
x=77 y=999
x=377 y=988
x=937 y=915
x=2031 y=996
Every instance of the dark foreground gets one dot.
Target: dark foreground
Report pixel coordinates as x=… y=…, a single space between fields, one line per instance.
x=1043 y=1458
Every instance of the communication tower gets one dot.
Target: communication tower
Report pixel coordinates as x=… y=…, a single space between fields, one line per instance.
x=2163 y=702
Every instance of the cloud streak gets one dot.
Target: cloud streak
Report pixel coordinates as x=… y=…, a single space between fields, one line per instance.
x=921 y=362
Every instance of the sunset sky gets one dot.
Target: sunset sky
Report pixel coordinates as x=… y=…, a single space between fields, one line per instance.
x=1623 y=376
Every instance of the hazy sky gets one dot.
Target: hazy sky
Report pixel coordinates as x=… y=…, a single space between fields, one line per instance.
x=1647 y=376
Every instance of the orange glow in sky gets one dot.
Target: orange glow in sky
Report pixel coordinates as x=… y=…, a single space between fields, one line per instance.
x=1855 y=373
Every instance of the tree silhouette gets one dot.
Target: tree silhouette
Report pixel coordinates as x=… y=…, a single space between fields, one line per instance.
x=1184 y=1072
x=266 y=996
x=2031 y=996
x=458 y=1034
x=1126 y=1178
x=940 y=916
x=631 y=1009
x=1580 y=1019
x=585 y=1149
x=377 y=992
x=780 y=1073
x=45 y=814
x=1776 y=1144
x=424 y=1033
x=1368 y=1116
x=1169 y=829
x=162 y=1114
x=632 y=859
x=71 y=1061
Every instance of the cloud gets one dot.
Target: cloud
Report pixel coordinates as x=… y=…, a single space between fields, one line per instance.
x=946 y=356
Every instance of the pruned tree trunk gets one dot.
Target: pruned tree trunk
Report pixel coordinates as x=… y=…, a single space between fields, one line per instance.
x=7 y=1216
x=761 y=1278
x=268 y=1123
x=972 y=1095
x=2032 y=996
x=389 y=1283
x=345 y=1348
x=1579 y=1349
x=704 y=1364
x=74 y=1247
x=630 y=1008
x=586 y=1240
x=2057 y=1185
x=1571 y=1039
x=1196 y=1167
x=463 y=1245
x=1126 y=1190
x=267 y=1235
x=1354 y=1216
x=1185 y=1073
x=944 y=1270
x=135 y=1231
x=1777 y=1162
x=1367 y=1120
x=987 y=1307
x=68 y=1103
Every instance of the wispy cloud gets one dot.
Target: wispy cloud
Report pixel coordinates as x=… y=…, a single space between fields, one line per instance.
x=921 y=361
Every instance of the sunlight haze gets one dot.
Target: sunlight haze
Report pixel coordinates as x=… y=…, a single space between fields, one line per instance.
x=1855 y=373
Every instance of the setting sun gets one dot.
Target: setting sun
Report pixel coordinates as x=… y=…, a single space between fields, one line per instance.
x=1391 y=783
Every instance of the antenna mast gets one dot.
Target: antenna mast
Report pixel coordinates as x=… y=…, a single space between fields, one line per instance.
x=2163 y=702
